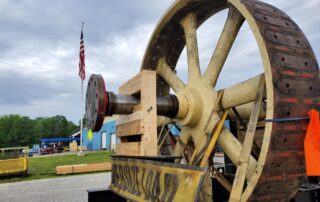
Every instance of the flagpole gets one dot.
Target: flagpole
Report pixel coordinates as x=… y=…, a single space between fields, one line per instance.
x=81 y=120
x=81 y=123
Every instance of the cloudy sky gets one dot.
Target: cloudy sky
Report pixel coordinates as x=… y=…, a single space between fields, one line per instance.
x=39 y=47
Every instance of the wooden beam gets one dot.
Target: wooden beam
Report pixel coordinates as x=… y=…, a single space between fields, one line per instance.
x=132 y=86
x=238 y=182
x=130 y=117
x=129 y=148
x=83 y=168
x=131 y=128
x=143 y=121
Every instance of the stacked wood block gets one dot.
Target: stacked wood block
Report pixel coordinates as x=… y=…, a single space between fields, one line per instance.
x=84 y=148
x=73 y=147
x=138 y=131
x=83 y=168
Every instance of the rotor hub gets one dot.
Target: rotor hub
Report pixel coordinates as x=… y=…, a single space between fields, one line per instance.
x=190 y=107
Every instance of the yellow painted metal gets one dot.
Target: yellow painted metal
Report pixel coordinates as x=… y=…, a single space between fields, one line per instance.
x=13 y=164
x=213 y=139
x=145 y=180
x=227 y=37
x=241 y=93
x=189 y=24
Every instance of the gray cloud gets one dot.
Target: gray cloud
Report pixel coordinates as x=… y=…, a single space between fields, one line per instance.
x=39 y=46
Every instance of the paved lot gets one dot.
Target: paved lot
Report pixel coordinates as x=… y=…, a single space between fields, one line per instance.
x=64 y=189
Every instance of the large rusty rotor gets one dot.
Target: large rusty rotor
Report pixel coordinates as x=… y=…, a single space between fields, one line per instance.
x=276 y=166
x=291 y=73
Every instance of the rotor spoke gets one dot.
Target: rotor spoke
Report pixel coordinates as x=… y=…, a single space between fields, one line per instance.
x=227 y=37
x=189 y=24
x=232 y=148
x=244 y=112
x=169 y=75
x=241 y=93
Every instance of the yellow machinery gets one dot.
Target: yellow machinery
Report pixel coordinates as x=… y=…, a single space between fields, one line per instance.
x=265 y=141
x=13 y=160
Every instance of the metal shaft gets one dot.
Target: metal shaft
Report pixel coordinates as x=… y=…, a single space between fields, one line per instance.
x=124 y=104
x=101 y=103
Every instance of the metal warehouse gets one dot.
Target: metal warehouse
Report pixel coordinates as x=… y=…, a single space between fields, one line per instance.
x=105 y=139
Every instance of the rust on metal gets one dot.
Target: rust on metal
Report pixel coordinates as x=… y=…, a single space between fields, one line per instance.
x=146 y=180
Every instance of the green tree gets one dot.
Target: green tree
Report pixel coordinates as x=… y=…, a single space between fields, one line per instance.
x=71 y=127
x=6 y=124
x=17 y=130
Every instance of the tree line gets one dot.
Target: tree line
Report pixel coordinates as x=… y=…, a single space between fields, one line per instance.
x=17 y=130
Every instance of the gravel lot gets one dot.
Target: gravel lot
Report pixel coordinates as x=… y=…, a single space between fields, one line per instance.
x=63 y=189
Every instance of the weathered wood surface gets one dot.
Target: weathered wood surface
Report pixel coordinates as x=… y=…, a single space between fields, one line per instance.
x=83 y=168
x=128 y=148
x=143 y=121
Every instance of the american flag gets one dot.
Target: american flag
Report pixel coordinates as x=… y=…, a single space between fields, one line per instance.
x=82 y=65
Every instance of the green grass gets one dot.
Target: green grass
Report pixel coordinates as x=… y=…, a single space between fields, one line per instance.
x=45 y=167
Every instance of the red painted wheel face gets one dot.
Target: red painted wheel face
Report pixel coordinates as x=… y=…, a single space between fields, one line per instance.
x=96 y=102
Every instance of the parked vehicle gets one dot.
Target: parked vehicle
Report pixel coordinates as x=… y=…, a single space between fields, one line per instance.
x=48 y=150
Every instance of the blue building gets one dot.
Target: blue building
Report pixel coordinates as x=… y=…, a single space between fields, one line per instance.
x=105 y=139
